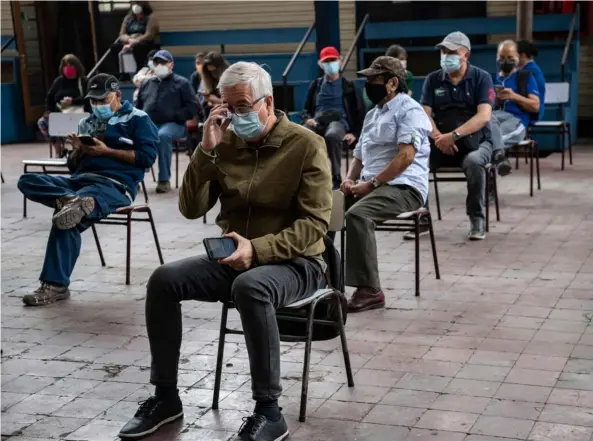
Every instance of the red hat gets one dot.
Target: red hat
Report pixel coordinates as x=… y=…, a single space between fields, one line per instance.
x=328 y=52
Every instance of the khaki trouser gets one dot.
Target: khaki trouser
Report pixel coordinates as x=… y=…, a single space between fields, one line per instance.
x=383 y=204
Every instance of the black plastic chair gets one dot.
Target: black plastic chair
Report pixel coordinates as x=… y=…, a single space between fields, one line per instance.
x=529 y=150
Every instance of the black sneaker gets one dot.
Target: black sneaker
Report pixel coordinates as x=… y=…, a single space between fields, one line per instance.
x=72 y=211
x=163 y=187
x=424 y=229
x=259 y=428
x=504 y=167
x=46 y=294
x=152 y=414
x=477 y=231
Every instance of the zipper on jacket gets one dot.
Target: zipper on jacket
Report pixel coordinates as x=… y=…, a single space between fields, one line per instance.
x=249 y=190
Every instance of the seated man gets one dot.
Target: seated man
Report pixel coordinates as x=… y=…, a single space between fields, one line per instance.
x=274 y=185
x=334 y=109
x=517 y=102
x=458 y=100
x=391 y=160
x=170 y=102
x=105 y=177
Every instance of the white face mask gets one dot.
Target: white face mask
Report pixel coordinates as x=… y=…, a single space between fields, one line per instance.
x=161 y=70
x=137 y=9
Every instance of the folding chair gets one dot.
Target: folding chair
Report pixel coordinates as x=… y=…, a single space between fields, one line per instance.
x=47 y=166
x=529 y=150
x=557 y=93
x=302 y=311
x=490 y=171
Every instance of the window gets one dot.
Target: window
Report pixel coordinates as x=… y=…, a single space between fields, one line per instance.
x=110 y=5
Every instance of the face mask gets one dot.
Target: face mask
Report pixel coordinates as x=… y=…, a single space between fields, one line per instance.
x=151 y=64
x=103 y=112
x=137 y=9
x=507 y=66
x=404 y=63
x=69 y=72
x=450 y=62
x=331 y=68
x=248 y=126
x=375 y=92
x=161 y=70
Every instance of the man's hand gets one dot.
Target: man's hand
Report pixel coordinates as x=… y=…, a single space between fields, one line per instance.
x=311 y=123
x=361 y=189
x=349 y=138
x=506 y=94
x=242 y=258
x=67 y=100
x=346 y=187
x=213 y=132
x=446 y=144
x=74 y=141
x=99 y=149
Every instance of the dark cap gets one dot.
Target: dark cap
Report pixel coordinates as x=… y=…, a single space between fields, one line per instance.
x=102 y=85
x=455 y=40
x=385 y=65
x=163 y=55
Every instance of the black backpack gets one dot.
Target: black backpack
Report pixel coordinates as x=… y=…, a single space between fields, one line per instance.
x=522 y=79
x=325 y=310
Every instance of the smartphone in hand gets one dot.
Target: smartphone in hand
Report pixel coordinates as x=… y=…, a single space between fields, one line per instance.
x=219 y=247
x=87 y=140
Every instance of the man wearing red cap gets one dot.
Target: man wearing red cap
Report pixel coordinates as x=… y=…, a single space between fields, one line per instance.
x=334 y=109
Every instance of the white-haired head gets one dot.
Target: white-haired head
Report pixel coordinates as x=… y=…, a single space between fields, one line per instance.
x=244 y=72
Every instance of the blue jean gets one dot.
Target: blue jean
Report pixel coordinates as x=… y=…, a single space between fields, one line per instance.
x=63 y=246
x=167 y=133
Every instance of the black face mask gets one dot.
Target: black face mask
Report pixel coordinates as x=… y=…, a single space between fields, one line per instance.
x=375 y=92
x=507 y=66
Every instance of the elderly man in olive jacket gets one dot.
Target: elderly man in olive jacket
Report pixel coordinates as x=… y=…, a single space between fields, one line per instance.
x=274 y=184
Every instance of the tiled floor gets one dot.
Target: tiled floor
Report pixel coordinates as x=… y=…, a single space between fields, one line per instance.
x=500 y=348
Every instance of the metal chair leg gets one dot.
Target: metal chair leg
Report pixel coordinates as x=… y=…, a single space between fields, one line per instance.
x=99 y=249
x=2 y=177
x=434 y=247
x=417 y=253
x=531 y=153
x=536 y=153
x=143 y=185
x=220 y=355
x=307 y=363
x=128 y=246
x=156 y=237
x=343 y=254
x=177 y=167
x=345 y=352
x=436 y=195
x=24 y=206
x=562 y=146
x=569 y=143
x=495 y=189
x=487 y=201
x=205 y=219
x=153 y=175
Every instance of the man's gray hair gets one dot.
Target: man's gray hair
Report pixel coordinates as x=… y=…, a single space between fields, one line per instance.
x=504 y=43
x=244 y=72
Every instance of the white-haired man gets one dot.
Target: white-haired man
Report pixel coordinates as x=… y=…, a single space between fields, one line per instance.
x=274 y=184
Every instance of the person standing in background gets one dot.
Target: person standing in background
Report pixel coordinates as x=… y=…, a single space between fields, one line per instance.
x=213 y=66
x=527 y=52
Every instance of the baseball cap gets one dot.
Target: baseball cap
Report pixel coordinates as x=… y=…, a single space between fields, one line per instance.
x=454 y=41
x=163 y=55
x=102 y=85
x=328 y=52
x=385 y=65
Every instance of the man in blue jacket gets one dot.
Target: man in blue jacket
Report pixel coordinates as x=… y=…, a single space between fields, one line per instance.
x=105 y=177
x=170 y=102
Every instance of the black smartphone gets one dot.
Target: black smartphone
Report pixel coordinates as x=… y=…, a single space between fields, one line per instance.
x=87 y=140
x=219 y=247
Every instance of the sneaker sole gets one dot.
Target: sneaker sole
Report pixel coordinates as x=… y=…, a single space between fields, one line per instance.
x=477 y=237
x=367 y=308
x=505 y=170
x=51 y=300
x=70 y=218
x=154 y=429
x=411 y=236
x=283 y=437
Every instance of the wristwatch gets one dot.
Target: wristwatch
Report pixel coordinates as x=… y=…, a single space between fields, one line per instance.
x=376 y=184
x=456 y=135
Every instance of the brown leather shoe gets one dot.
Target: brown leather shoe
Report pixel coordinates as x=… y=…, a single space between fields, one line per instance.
x=365 y=298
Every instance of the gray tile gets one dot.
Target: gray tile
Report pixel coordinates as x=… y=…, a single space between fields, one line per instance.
x=448 y=421
x=503 y=427
x=553 y=432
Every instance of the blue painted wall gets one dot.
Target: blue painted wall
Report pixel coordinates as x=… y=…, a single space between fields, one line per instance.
x=13 y=125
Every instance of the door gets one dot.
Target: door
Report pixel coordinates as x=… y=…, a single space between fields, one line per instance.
x=26 y=31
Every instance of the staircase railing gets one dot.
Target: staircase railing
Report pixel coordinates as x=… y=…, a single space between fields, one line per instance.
x=355 y=42
x=291 y=64
x=8 y=42
x=101 y=60
x=569 y=38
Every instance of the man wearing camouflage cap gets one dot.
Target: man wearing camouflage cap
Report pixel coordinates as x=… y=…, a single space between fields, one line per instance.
x=386 y=178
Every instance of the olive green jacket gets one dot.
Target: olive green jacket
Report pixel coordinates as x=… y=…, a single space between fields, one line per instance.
x=277 y=194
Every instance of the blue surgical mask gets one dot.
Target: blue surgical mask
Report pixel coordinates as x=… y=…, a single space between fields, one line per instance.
x=248 y=126
x=450 y=62
x=102 y=111
x=331 y=68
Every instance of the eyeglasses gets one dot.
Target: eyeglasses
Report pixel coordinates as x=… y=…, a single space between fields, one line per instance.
x=243 y=110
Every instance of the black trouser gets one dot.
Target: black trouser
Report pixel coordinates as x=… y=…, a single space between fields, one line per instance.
x=333 y=133
x=257 y=294
x=139 y=50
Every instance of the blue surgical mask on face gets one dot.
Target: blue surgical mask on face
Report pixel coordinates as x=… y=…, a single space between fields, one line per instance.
x=248 y=126
x=102 y=111
x=450 y=62
x=331 y=68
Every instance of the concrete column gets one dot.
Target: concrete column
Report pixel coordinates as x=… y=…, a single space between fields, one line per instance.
x=525 y=20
